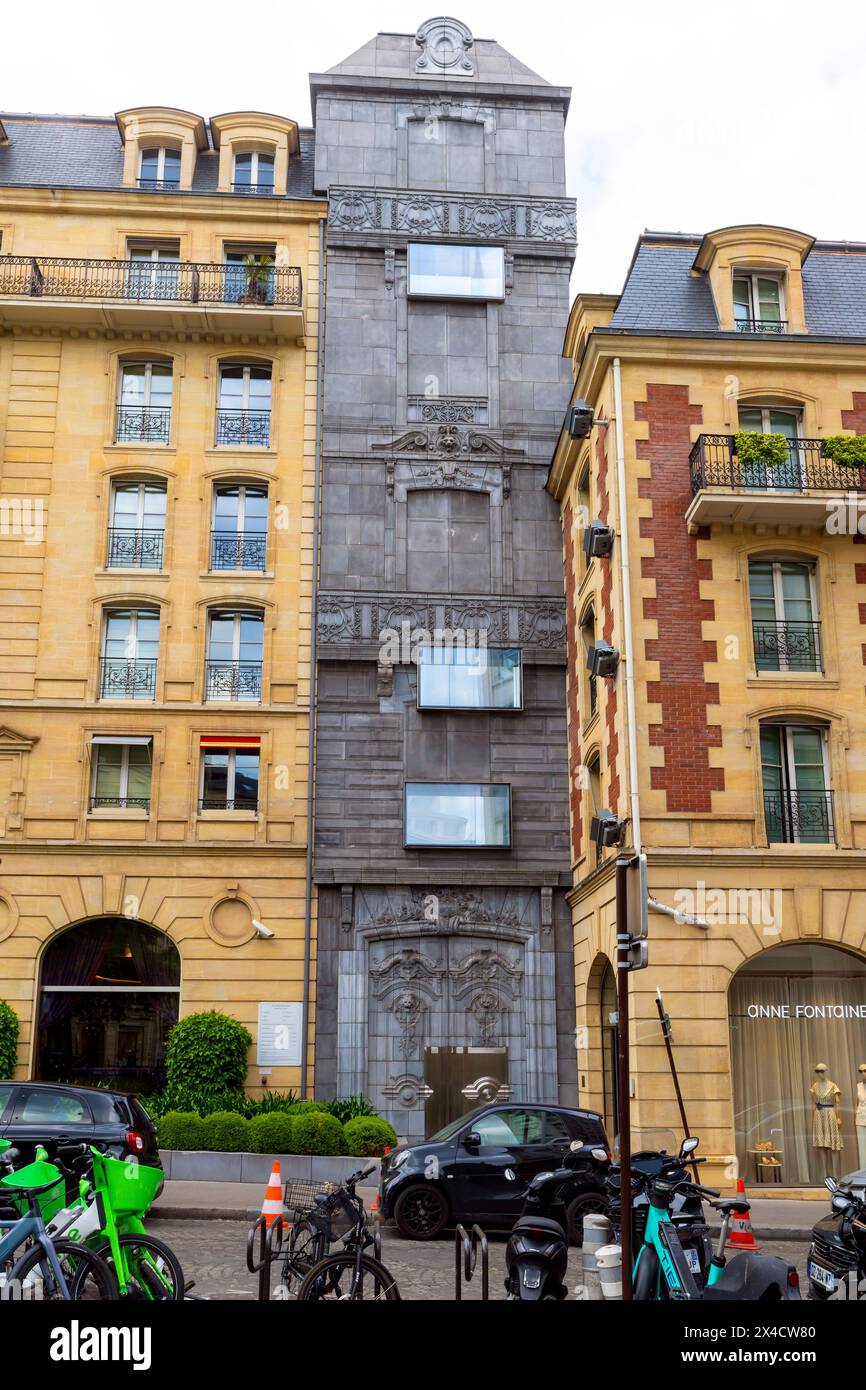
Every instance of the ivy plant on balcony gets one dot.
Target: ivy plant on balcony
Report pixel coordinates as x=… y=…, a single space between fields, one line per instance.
x=768 y=450
x=846 y=450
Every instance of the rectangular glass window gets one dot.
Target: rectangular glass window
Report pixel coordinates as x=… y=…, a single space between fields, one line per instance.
x=121 y=776
x=459 y=815
x=456 y=272
x=230 y=781
x=798 y=803
x=758 y=304
x=130 y=648
x=469 y=678
x=786 y=635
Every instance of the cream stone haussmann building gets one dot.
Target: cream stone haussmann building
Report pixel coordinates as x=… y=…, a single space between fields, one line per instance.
x=731 y=741
x=159 y=320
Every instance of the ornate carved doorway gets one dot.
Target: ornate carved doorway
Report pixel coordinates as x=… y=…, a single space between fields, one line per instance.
x=460 y=1078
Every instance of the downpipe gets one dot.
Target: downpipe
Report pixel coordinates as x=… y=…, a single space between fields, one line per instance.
x=628 y=639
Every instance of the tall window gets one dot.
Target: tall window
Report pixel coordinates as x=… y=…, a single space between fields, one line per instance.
x=244 y=410
x=234 y=656
x=758 y=303
x=144 y=392
x=587 y=632
x=121 y=773
x=240 y=527
x=137 y=531
x=798 y=803
x=229 y=781
x=762 y=419
x=593 y=777
x=254 y=173
x=159 y=169
x=153 y=270
x=786 y=633
x=130 y=648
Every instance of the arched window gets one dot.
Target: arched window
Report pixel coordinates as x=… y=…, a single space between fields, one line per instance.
x=244 y=406
x=785 y=622
x=109 y=993
x=144 y=391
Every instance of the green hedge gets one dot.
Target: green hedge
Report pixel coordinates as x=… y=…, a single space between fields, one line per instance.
x=317 y=1133
x=272 y=1133
x=228 y=1133
x=369 y=1136
x=181 y=1130
x=9 y=1028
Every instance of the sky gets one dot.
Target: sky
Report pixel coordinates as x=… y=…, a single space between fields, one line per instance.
x=684 y=116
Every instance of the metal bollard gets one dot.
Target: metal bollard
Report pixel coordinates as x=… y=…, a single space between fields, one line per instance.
x=596 y=1234
x=609 y=1259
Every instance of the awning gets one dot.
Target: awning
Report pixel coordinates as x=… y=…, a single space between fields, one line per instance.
x=231 y=741
x=122 y=740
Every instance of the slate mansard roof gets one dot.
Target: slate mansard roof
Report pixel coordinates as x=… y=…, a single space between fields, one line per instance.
x=86 y=152
x=663 y=294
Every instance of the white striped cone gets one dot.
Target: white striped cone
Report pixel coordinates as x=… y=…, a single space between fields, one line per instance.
x=272 y=1206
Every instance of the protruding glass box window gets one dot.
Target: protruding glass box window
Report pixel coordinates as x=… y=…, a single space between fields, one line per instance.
x=457 y=815
x=469 y=678
x=456 y=272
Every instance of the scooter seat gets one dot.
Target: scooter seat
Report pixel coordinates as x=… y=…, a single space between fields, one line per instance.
x=539 y=1223
x=728 y=1204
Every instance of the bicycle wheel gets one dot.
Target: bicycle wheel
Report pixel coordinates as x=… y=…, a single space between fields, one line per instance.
x=334 y=1278
x=153 y=1270
x=88 y=1278
x=305 y=1248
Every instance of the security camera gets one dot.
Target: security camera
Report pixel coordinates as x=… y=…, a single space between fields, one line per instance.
x=579 y=419
x=606 y=829
x=597 y=540
x=602 y=659
x=261 y=930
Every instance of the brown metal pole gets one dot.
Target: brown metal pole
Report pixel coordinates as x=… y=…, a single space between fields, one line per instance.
x=624 y=1084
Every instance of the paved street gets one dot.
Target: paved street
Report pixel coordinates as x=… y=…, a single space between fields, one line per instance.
x=214 y=1254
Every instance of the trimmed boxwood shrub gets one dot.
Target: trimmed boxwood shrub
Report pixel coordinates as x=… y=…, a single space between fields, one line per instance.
x=181 y=1130
x=368 y=1136
x=770 y=450
x=226 y=1132
x=8 y=1040
x=206 y=1060
x=847 y=450
x=271 y=1133
x=317 y=1132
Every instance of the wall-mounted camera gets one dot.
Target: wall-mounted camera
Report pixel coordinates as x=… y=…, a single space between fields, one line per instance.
x=579 y=419
x=606 y=829
x=597 y=541
x=602 y=660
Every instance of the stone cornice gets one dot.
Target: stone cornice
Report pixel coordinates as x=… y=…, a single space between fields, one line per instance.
x=161 y=206
x=400 y=215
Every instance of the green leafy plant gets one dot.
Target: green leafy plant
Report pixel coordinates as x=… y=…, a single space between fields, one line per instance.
x=271 y=1103
x=259 y=271
x=350 y=1107
x=307 y=1107
x=770 y=450
x=226 y=1132
x=847 y=450
x=369 y=1135
x=181 y=1130
x=206 y=1060
x=317 y=1132
x=9 y=1028
x=272 y=1133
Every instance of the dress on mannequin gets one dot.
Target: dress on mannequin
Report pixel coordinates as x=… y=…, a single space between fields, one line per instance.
x=860 y=1119
x=826 y=1131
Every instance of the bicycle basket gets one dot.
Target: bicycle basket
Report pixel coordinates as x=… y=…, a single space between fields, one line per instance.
x=36 y=1175
x=343 y=1218
x=130 y=1187
x=299 y=1198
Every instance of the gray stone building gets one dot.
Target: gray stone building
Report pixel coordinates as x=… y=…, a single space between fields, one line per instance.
x=445 y=965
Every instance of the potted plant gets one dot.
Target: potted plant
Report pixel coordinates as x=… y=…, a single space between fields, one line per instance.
x=258 y=271
x=846 y=450
x=764 y=450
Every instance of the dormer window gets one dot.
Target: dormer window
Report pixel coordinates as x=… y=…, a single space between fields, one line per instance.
x=253 y=173
x=759 y=304
x=159 y=169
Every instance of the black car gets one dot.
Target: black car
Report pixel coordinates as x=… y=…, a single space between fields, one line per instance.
x=832 y=1253
x=37 y=1112
x=458 y=1174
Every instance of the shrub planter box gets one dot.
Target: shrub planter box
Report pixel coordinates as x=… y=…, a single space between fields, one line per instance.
x=201 y=1165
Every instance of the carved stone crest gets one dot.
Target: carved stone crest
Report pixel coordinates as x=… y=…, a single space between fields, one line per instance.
x=408 y=1091
x=446 y=46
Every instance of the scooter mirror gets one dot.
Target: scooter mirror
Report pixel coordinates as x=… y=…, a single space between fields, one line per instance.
x=510 y=1175
x=830 y=1184
x=688 y=1146
x=840 y=1202
x=574 y=1145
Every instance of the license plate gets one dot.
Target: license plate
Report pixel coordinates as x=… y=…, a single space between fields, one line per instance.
x=821 y=1276
x=694 y=1259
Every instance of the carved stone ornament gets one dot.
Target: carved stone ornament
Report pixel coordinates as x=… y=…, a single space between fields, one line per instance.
x=448 y=441
x=407 y=1008
x=407 y=967
x=487 y=1008
x=485 y=1090
x=446 y=47
x=488 y=968
x=448 y=910
x=408 y=1091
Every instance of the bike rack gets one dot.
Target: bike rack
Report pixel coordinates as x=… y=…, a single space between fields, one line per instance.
x=270 y=1244
x=466 y=1246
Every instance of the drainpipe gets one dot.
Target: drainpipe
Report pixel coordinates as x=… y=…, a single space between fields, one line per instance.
x=628 y=642
x=314 y=618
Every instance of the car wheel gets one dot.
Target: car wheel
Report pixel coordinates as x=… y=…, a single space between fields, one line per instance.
x=421 y=1212
x=587 y=1204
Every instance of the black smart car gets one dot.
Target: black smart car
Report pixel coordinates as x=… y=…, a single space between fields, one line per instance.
x=458 y=1174
x=832 y=1254
x=37 y=1112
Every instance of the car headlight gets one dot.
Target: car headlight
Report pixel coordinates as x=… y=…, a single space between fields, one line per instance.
x=397 y=1160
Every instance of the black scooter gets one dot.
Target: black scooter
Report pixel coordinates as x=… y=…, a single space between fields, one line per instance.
x=837 y=1255
x=536 y=1257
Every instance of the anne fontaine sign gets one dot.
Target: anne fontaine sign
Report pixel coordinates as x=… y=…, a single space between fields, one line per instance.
x=807 y=1011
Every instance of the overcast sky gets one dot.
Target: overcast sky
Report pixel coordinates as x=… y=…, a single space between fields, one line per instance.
x=684 y=116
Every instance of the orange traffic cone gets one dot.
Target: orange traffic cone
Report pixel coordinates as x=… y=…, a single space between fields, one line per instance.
x=272 y=1206
x=741 y=1236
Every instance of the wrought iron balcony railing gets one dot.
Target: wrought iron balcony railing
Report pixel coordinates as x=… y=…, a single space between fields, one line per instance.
x=238 y=550
x=713 y=462
x=787 y=646
x=120 y=803
x=219 y=803
x=134 y=549
x=775 y=326
x=243 y=428
x=127 y=678
x=795 y=817
x=233 y=680
x=181 y=282
x=136 y=424
x=264 y=190
x=159 y=185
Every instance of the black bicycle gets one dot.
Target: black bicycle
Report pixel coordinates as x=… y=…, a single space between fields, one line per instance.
x=330 y=1218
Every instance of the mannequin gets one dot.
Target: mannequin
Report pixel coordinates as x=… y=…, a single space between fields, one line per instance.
x=827 y=1117
x=860 y=1117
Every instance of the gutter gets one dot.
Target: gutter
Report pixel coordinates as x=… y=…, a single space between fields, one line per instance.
x=314 y=622
x=628 y=639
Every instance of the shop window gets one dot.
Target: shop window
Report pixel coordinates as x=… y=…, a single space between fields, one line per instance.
x=785 y=627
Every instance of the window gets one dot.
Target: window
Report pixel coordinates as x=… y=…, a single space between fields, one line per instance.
x=758 y=303
x=584 y=511
x=159 y=169
x=52 y=1108
x=448 y=543
x=249 y=275
x=786 y=635
x=469 y=678
x=229 y=781
x=234 y=656
x=244 y=410
x=798 y=805
x=464 y=815
x=587 y=631
x=137 y=530
x=593 y=774
x=762 y=419
x=143 y=403
x=121 y=773
x=456 y=272
x=130 y=647
x=153 y=270
x=240 y=527
x=254 y=173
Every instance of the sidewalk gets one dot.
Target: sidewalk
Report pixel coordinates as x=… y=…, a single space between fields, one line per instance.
x=776 y=1219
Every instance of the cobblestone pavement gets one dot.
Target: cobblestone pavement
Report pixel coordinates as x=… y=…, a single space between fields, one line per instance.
x=214 y=1254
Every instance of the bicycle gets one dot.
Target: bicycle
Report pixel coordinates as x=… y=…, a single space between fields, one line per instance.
x=48 y=1269
x=345 y=1276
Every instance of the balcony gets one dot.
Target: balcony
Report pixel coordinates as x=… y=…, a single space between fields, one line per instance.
x=142 y=424
x=804 y=491
x=125 y=294
x=218 y=803
x=120 y=803
x=769 y=326
x=233 y=680
x=238 y=550
x=127 y=678
x=795 y=817
x=787 y=646
x=243 y=429
x=140 y=550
